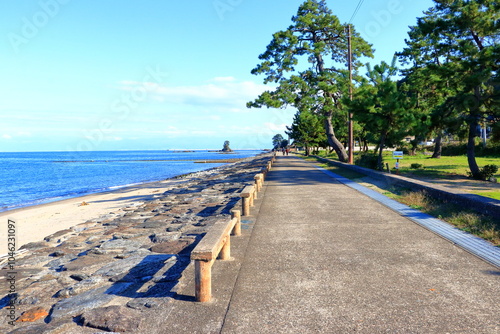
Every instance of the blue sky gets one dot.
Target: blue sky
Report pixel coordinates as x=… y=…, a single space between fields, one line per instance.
x=151 y=74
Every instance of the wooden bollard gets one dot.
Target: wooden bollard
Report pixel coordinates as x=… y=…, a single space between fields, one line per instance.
x=203 y=280
x=236 y=214
x=256 y=185
x=247 y=200
x=259 y=181
x=225 y=252
x=252 y=196
x=245 y=210
x=263 y=171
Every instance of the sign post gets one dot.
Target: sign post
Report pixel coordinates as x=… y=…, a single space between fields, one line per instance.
x=397 y=155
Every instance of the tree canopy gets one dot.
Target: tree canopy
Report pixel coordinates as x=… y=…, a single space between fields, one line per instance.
x=308 y=62
x=454 y=51
x=307 y=130
x=383 y=107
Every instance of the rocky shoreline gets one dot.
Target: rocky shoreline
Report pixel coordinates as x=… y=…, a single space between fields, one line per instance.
x=111 y=272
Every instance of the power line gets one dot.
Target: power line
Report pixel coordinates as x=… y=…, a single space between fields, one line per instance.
x=360 y=3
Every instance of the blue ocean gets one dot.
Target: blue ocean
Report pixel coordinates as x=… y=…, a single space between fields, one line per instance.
x=41 y=177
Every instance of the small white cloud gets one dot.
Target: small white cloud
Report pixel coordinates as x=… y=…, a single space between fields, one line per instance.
x=275 y=127
x=6 y=136
x=224 y=79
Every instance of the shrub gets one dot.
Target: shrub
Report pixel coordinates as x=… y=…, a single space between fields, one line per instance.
x=491 y=149
x=416 y=166
x=405 y=147
x=454 y=149
x=368 y=160
x=486 y=172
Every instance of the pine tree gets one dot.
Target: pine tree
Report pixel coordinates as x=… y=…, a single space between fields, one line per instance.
x=383 y=108
x=307 y=130
x=457 y=45
x=315 y=40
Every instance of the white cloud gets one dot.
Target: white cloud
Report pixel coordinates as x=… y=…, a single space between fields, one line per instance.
x=275 y=127
x=224 y=79
x=6 y=136
x=226 y=93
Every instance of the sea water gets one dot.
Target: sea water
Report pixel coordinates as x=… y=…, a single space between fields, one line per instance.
x=30 y=178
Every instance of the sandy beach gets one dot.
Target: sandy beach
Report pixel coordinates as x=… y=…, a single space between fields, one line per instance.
x=36 y=222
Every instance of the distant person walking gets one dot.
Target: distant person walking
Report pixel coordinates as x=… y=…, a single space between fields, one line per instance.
x=283 y=151
x=286 y=151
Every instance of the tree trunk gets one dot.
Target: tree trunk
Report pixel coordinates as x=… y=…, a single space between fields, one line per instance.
x=308 y=150
x=471 y=156
x=381 y=149
x=333 y=141
x=438 y=146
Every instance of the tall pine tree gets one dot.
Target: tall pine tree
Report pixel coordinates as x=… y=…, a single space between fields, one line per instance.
x=315 y=43
x=457 y=45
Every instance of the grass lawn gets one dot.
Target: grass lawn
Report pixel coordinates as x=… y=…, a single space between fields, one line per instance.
x=438 y=168
x=489 y=194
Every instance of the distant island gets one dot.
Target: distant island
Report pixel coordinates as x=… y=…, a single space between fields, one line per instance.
x=226 y=148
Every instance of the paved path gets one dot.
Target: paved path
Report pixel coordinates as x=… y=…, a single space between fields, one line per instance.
x=324 y=258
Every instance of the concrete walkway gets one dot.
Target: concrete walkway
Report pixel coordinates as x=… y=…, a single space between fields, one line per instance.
x=324 y=258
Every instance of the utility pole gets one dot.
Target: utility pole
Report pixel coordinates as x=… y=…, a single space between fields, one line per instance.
x=349 y=60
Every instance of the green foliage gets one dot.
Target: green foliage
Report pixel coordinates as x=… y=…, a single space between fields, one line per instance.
x=491 y=150
x=488 y=171
x=454 y=149
x=382 y=108
x=307 y=130
x=315 y=39
x=404 y=147
x=454 y=52
x=277 y=140
x=416 y=166
x=367 y=160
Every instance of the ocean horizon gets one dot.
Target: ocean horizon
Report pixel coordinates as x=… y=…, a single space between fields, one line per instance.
x=33 y=178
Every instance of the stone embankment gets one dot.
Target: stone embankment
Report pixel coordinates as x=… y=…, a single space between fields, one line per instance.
x=110 y=273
